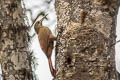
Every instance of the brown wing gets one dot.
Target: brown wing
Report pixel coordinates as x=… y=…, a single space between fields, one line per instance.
x=43 y=36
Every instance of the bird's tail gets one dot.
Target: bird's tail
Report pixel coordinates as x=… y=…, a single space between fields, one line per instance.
x=52 y=70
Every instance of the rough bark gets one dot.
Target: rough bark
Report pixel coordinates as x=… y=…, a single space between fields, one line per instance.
x=14 y=52
x=86 y=34
x=118 y=75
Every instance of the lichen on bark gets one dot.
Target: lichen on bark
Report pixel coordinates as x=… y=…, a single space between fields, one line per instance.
x=83 y=50
x=14 y=52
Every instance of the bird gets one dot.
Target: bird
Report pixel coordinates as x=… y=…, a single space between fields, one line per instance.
x=46 y=40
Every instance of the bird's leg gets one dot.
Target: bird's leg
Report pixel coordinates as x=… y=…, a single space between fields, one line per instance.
x=53 y=37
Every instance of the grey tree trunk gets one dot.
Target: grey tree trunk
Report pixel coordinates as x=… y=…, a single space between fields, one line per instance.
x=118 y=75
x=14 y=53
x=86 y=34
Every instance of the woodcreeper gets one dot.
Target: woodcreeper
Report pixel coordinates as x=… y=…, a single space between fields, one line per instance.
x=46 y=40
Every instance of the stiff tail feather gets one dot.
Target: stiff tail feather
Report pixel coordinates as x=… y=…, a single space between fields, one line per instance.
x=51 y=67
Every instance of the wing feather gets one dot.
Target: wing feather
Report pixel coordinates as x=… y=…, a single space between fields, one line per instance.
x=43 y=36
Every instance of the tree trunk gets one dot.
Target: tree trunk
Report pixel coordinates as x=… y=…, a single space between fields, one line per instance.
x=86 y=34
x=14 y=53
x=118 y=75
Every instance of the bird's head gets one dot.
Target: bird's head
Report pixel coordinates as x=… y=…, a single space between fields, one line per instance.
x=37 y=26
